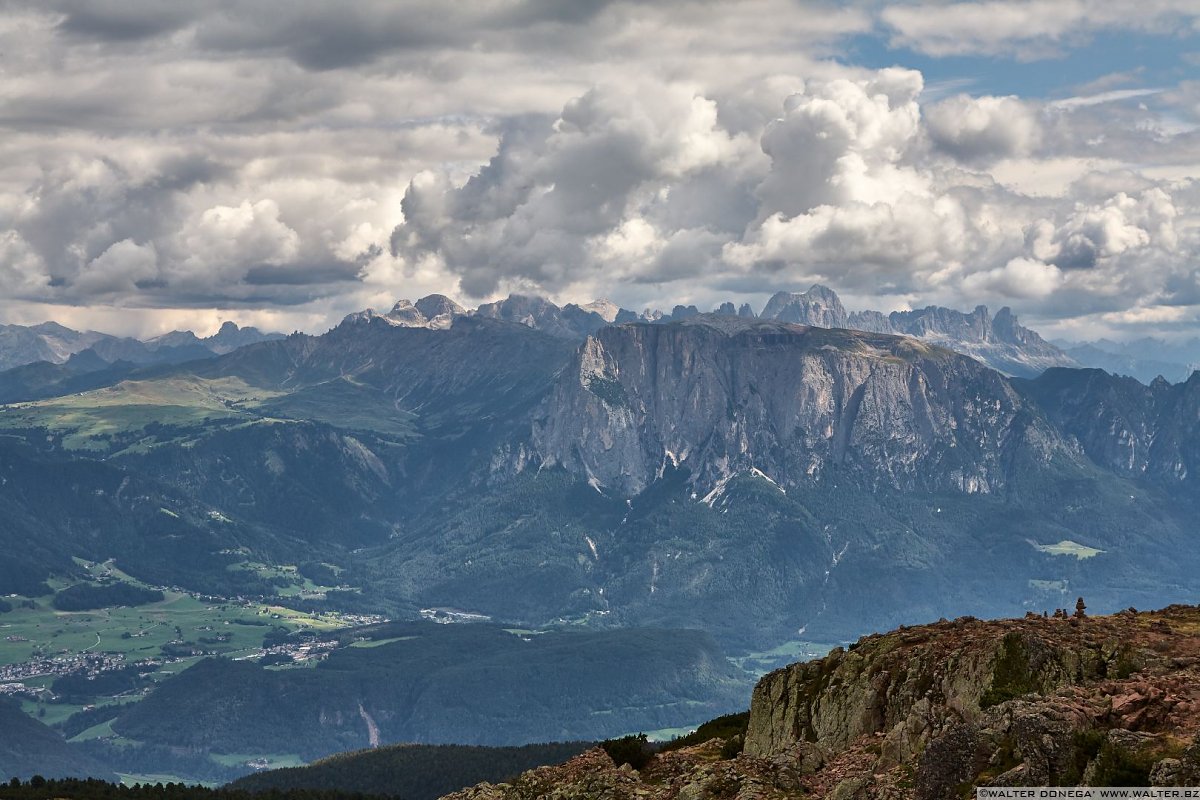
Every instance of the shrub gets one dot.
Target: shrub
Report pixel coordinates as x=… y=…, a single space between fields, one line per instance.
x=632 y=750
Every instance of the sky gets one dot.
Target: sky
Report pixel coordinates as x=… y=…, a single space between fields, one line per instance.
x=283 y=163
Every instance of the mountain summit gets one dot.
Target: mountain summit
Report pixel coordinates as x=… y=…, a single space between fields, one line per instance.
x=819 y=306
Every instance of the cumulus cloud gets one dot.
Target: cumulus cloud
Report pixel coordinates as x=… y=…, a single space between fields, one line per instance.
x=22 y=271
x=120 y=268
x=224 y=241
x=982 y=128
x=291 y=162
x=841 y=141
x=569 y=198
x=854 y=183
x=1024 y=278
x=1120 y=225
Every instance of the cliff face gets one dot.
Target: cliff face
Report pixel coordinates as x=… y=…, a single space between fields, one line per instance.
x=1013 y=702
x=1124 y=426
x=933 y=711
x=725 y=396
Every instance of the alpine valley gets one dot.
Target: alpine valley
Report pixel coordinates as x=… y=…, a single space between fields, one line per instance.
x=233 y=554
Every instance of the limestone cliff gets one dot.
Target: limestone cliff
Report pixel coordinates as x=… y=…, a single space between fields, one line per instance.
x=723 y=396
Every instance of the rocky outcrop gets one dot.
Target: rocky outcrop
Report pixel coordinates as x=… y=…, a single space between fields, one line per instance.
x=696 y=773
x=723 y=396
x=908 y=684
x=1033 y=702
x=819 y=306
x=931 y=712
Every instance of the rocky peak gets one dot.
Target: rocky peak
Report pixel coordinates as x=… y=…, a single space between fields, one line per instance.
x=522 y=308
x=434 y=306
x=873 y=321
x=181 y=338
x=682 y=312
x=935 y=321
x=819 y=306
x=405 y=314
x=570 y=322
x=605 y=309
x=1125 y=426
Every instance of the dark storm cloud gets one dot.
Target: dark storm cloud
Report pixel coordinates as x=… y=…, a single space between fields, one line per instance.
x=120 y=20
x=321 y=35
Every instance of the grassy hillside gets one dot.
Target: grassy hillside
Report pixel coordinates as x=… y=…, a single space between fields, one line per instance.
x=119 y=414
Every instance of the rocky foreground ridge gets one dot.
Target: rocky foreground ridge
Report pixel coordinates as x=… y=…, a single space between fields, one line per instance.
x=934 y=711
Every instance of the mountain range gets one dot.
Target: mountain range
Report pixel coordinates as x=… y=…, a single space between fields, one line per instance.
x=999 y=341
x=1144 y=359
x=693 y=473
x=734 y=487
x=56 y=344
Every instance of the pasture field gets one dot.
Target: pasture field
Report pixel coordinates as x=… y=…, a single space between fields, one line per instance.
x=90 y=420
x=116 y=418
x=1068 y=548
x=34 y=628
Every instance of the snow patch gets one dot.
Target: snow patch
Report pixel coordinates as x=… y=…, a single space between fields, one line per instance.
x=758 y=473
x=718 y=491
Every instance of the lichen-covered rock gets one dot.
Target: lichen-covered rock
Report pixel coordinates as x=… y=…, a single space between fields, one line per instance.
x=908 y=684
x=1181 y=771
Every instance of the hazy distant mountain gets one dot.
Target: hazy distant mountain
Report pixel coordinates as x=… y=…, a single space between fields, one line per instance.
x=55 y=344
x=1144 y=359
x=571 y=320
x=46 y=342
